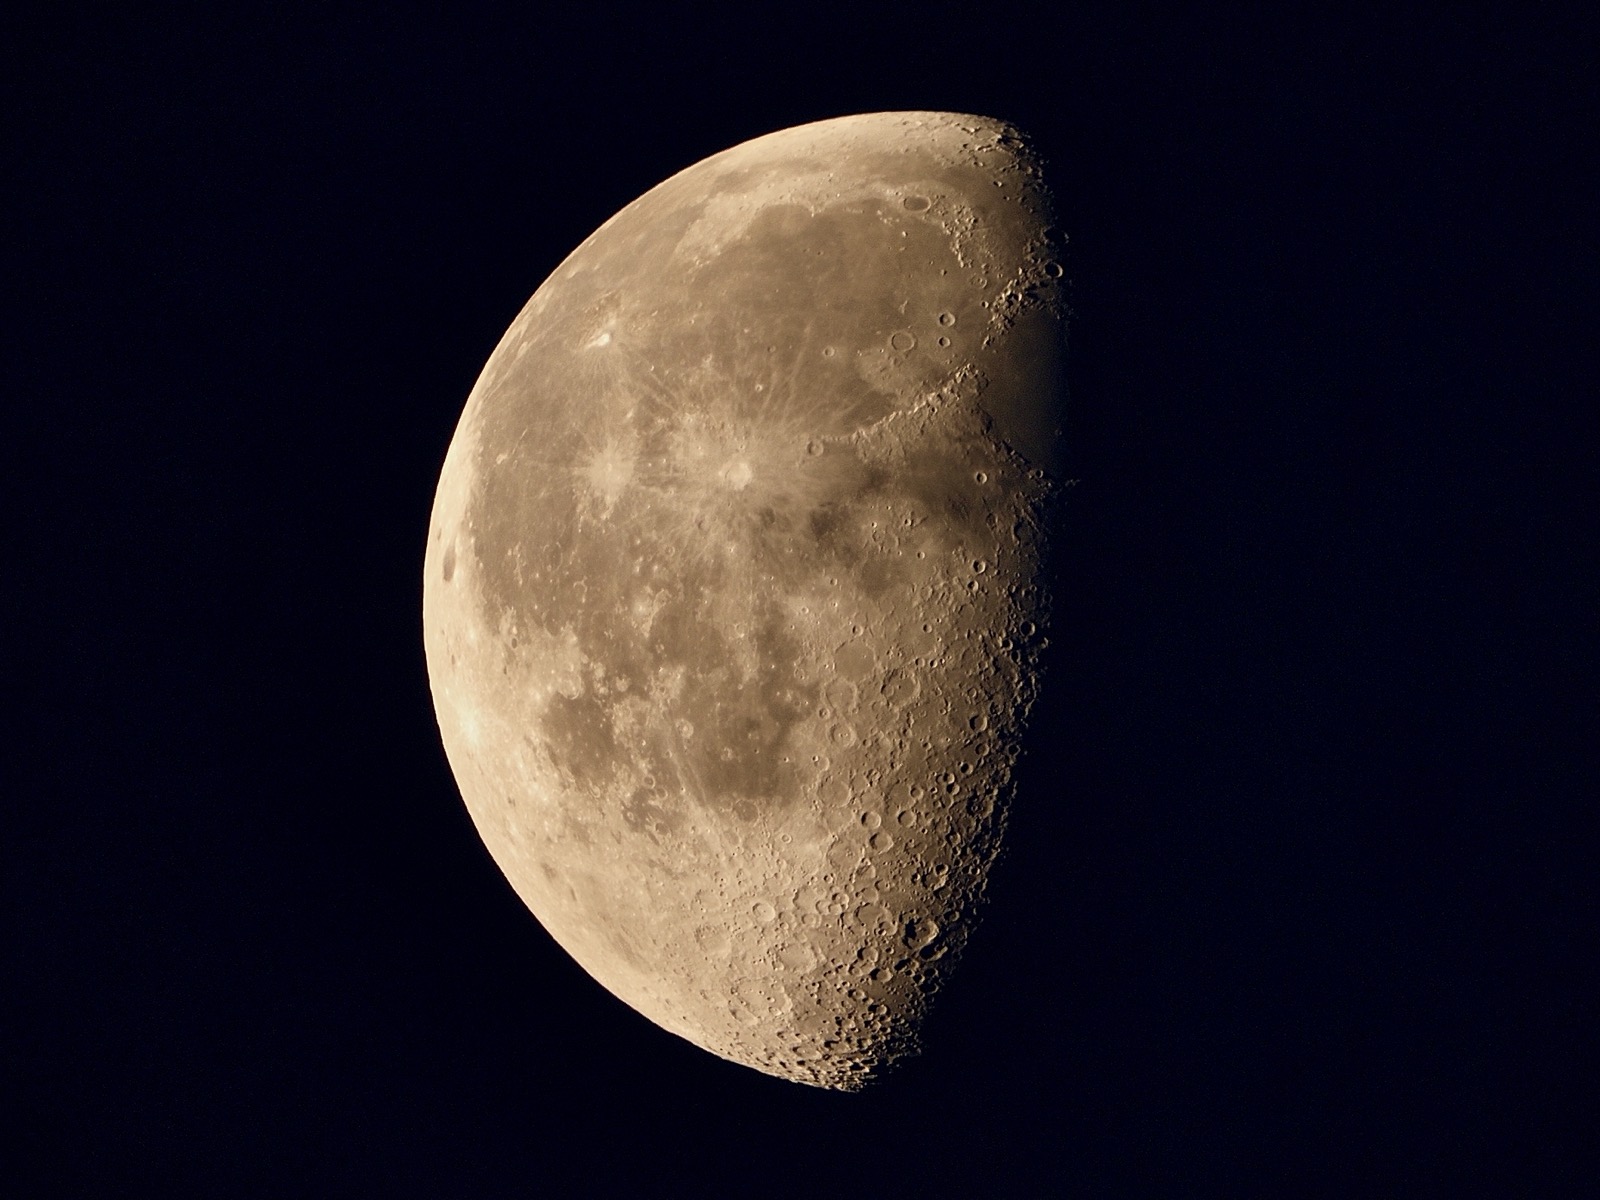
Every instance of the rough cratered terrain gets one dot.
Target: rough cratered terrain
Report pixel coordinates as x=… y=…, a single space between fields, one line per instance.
x=732 y=583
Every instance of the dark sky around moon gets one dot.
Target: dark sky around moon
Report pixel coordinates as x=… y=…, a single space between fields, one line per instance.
x=1292 y=898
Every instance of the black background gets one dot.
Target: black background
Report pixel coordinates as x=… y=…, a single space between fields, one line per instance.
x=1297 y=897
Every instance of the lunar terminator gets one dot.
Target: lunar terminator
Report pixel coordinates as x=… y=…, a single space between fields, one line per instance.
x=733 y=586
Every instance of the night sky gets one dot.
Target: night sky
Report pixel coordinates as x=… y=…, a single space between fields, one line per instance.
x=1297 y=896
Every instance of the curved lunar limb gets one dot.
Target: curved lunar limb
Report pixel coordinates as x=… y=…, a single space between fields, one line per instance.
x=733 y=582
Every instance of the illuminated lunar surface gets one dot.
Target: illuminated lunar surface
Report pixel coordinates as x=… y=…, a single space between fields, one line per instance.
x=733 y=590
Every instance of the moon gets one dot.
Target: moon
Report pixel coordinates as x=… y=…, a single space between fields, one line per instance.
x=734 y=595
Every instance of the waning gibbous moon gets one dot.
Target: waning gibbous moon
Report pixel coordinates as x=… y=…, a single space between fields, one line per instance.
x=733 y=586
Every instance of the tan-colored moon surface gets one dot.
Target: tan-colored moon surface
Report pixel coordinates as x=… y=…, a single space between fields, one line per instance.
x=733 y=591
